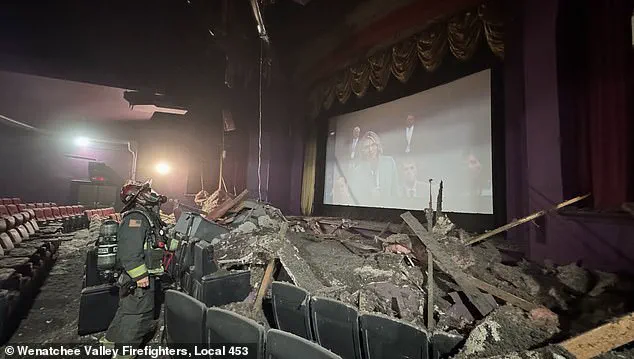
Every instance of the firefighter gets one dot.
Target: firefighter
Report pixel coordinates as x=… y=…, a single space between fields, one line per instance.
x=141 y=245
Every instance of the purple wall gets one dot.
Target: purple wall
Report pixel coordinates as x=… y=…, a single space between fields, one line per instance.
x=35 y=167
x=534 y=153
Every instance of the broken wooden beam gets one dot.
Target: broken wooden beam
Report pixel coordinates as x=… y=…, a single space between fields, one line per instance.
x=504 y=295
x=430 y=291
x=226 y=206
x=602 y=339
x=267 y=279
x=447 y=265
x=355 y=224
x=528 y=218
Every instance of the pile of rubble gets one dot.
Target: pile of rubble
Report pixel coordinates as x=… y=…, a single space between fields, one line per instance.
x=490 y=302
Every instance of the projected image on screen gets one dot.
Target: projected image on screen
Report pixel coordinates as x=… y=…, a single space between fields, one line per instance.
x=384 y=156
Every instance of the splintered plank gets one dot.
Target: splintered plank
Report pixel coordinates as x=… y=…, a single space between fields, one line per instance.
x=504 y=295
x=267 y=279
x=226 y=206
x=529 y=218
x=602 y=339
x=445 y=263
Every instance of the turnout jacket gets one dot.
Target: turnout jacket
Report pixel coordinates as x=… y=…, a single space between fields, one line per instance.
x=139 y=251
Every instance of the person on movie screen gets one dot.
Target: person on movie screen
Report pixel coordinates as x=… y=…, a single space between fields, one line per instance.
x=341 y=192
x=353 y=146
x=376 y=175
x=410 y=136
x=411 y=186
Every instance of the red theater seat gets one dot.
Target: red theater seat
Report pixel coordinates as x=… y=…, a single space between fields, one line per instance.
x=56 y=213
x=16 y=201
x=3 y=225
x=77 y=210
x=7 y=201
x=19 y=217
x=53 y=204
x=63 y=212
x=48 y=212
x=4 y=213
x=39 y=205
x=30 y=205
x=39 y=215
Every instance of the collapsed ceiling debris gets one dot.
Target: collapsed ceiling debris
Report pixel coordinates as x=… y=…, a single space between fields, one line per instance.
x=486 y=297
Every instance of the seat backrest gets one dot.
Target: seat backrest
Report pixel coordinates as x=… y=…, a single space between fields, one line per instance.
x=336 y=326
x=39 y=205
x=384 y=337
x=291 y=309
x=22 y=207
x=53 y=204
x=100 y=212
x=47 y=204
x=7 y=201
x=31 y=205
x=63 y=212
x=224 y=326
x=48 y=212
x=56 y=212
x=39 y=214
x=16 y=201
x=76 y=210
x=3 y=225
x=283 y=345
x=4 y=211
x=184 y=318
x=13 y=209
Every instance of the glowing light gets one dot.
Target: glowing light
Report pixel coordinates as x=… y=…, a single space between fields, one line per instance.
x=163 y=168
x=82 y=141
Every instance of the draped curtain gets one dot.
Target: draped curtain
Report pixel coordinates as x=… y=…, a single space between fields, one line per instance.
x=309 y=174
x=459 y=35
x=595 y=89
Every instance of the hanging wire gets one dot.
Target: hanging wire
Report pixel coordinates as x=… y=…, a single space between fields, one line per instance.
x=260 y=126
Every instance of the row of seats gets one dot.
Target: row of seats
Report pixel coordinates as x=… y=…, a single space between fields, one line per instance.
x=189 y=321
x=323 y=322
x=104 y=213
x=339 y=328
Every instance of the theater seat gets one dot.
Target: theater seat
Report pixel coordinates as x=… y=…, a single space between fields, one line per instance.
x=56 y=213
x=336 y=326
x=282 y=345
x=100 y=213
x=4 y=213
x=290 y=309
x=48 y=212
x=6 y=242
x=19 y=217
x=7 y=201
x=24 y=233
x=16 y=201
x=15 y=236
x=184 y=318
x=3 y=225
x=383 y=336
x=63 y=212
x=224 y=326
x=39 y=205
x=47 y=204
x=31 y=205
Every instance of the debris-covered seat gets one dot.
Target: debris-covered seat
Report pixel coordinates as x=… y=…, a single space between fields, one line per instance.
x=283 y=345
x=336 y=326
x=224 y=326
x=184 y=318
x=384 y=337
x=291 y=309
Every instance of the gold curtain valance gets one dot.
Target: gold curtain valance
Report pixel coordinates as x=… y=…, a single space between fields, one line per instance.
x=460 y=34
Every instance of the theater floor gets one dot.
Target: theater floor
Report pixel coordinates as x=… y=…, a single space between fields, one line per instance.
x=53 y=316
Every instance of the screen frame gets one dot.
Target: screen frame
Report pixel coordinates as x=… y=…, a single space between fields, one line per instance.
x=451 y=70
